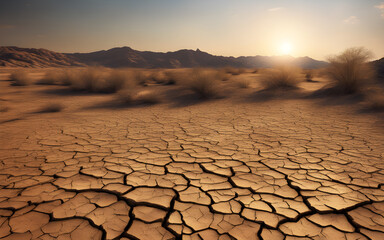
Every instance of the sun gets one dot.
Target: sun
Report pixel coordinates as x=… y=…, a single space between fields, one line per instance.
x=286 y=48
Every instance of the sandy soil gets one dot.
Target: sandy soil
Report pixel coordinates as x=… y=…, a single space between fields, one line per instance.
x=250 y=166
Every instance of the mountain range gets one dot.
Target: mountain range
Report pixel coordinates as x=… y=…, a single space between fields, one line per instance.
x=32 y=57
x=128 y=57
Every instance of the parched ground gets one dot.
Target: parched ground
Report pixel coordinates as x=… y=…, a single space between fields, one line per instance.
x=223 y=169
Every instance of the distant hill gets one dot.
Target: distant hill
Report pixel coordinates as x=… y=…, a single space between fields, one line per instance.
x=31 y=57
x=379 y=66
x=128 y=57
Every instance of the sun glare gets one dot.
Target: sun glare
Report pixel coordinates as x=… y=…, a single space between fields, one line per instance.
x=286 y=48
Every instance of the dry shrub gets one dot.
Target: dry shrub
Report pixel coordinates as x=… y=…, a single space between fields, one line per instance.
x=129 y=91
x=234 y=71
x=203 y=82
x=51 y=107
x=170 y=76
x=164 y=77
x=51 y=78
x=350 y=71
x=136 y=76
x=157 y=76
x=243 y=82
x=101 y=80
x=309 y=75
x=20 y=78
x=87 y=79
x=67 y=77
x=280 y=77
x=139 y=76
x=221 y=74
x=175 y=76
x=113 y=81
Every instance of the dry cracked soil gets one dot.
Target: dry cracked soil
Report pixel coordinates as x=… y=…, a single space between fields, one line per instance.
x=279 y=169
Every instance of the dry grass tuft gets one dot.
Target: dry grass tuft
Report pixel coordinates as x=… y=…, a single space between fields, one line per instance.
x=309 y=75
x=113 y=81
x=164 y=77
x=20 y=78
x=203 y=82
x=243 y=82
x=174 y=76
x=51 y=107
x=234 y=71
x=349 y=71
x=171 y=77
x=157 y=76
x=51 y=78
x=282 y=77
x=101 y=80
x=139 y=76
x=221 y=74
x=66 y=77
x=87 y=80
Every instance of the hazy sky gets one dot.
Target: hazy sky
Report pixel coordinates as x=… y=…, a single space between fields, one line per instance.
x=222 y=27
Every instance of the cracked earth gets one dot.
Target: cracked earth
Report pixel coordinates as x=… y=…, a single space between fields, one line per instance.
x=284 y=169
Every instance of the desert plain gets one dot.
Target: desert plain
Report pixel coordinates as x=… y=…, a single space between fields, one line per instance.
x=247 y=164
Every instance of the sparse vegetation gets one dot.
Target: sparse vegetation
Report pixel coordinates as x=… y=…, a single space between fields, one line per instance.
x=282 y=77
x=87 y=80
x=234 y=71
x=309 y=74
x=349 y=71
x=112 y=81
x=157 y=76
x=164 y=77
x=20 y=78
x=203 y=82
x=66 y=77
x=174 y=76
x=221 y=75
x=138 y=76
x=243 y=82
x=99 y=80
x=52 y=78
